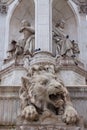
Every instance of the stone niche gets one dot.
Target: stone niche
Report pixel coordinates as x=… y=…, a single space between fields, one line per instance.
x=62 y=10
x=24 y=10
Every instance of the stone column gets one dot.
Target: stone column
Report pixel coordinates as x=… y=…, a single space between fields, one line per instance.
x=43 y=25
x=3 y=14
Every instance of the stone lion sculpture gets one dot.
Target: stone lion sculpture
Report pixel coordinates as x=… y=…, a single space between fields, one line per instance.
x=43 y=93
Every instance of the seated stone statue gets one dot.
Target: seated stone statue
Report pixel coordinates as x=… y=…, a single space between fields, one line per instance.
x=26 y=45
x=63 y=44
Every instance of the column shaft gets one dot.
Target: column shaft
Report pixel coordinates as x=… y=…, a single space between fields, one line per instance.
x=43 y=25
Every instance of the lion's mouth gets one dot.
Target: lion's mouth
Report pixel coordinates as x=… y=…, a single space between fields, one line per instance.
x=57 y=100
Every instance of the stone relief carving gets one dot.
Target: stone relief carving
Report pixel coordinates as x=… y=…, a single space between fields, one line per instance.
x=44 y=95
x=64 y=46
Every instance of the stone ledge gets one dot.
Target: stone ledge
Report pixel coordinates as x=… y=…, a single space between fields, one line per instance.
x=48 y=124
x=48 y=127
x=10 y=68
x=43 y=57
x=74 y=68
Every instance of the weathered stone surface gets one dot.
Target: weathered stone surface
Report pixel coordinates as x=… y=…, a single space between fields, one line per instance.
x=9 y=106
x=48 y=125
x=11 y=98
x=12 y=74
x=43 y=57
x=43 y=95
x=71 y=72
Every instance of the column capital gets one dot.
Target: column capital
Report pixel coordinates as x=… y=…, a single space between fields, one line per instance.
x=4 y=6
x=3 y=9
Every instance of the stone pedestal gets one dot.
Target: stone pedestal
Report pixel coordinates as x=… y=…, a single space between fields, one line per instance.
x=48 y=127
x=47 y=124
x=12 y=75
x=12 y=71
x=71 y=71
x=43 y=57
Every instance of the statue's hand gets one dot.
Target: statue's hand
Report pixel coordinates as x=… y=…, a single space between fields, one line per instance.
x=70 y=115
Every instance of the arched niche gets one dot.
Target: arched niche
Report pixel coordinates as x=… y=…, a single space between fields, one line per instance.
x=24 y=10
x=61 y=9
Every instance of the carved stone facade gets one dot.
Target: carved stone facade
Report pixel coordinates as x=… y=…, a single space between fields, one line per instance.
x=43 y=78
x=42 y=90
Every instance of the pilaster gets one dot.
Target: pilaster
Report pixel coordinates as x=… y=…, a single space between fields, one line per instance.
x=43 y=25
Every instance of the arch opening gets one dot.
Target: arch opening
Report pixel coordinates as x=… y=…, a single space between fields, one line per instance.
x=61 y=10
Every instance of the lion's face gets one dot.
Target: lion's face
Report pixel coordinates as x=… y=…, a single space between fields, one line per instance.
x=56 y=93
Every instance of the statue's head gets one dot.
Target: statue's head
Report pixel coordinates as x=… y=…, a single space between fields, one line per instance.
x=25 y=25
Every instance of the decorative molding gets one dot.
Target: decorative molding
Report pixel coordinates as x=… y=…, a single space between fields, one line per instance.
x=43 y=57
x=6 y=2
x=3 y=9
x=4 y=6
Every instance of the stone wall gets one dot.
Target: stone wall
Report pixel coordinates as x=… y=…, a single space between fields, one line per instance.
x=9 y=105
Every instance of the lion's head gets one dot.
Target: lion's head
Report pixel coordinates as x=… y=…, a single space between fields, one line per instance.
x=55 y=93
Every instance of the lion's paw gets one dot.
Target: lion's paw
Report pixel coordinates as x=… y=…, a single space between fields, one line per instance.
x=30 y=113
x=70 y=115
